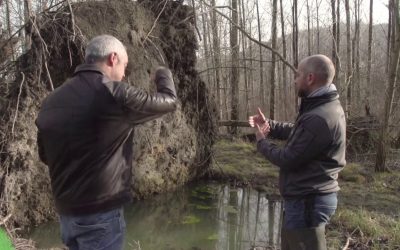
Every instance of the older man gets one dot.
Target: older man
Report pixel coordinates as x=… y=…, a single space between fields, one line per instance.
x=85 y=136
x=313 y=155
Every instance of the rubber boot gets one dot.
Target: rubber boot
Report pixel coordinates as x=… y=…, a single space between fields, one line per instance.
x=303 y=239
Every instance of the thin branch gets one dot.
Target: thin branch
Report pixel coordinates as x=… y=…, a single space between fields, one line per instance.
x=253 y=39
x=48 y=75
x=223 y=67
x=155 y=21
x=18 y=98
x=159 y=52
x=72 y=20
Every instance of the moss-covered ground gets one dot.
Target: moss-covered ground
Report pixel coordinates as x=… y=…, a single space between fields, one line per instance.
x=368 y=215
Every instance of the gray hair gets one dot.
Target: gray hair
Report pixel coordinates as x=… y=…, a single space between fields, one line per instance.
x=101 y=46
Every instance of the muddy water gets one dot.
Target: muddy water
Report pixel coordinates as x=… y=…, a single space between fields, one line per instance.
x=200 y=216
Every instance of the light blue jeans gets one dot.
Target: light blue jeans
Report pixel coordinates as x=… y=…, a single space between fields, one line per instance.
x=313 y=211
x=103 y=230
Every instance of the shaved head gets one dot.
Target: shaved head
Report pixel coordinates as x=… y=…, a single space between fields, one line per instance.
x=319 y=65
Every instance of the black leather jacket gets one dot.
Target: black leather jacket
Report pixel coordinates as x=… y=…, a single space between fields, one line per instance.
x=85 y=136
x=314 y=152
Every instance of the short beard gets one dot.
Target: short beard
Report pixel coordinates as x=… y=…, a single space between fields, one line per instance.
x=302 y=93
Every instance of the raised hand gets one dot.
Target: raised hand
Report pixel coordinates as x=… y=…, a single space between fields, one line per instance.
x=257 y=119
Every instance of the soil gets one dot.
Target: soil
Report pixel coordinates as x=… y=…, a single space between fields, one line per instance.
x=168 y=152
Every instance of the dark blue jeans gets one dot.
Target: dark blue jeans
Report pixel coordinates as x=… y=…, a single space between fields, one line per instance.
x=312 y=211
x=103 y=230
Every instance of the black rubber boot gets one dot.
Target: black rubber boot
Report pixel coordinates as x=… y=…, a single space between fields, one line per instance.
x=303 y=239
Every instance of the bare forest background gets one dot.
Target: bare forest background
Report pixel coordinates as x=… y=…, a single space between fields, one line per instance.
x=248 y=52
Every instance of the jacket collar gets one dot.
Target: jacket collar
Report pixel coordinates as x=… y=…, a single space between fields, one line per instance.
x=309 y=103
x=87 y=67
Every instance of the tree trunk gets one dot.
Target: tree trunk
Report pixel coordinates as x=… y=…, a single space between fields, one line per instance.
x=217 y=58
x=369 y=88
x=262 y=92
x=317 y=6
x=246 y=83
x=27 y=16
x=388 y=47
x=235 y=67
x=337 y=51
x=9 y=28
x=334 y=32
x=308 y=28
x=284 y=80
x=380 y=164
x=295 y=45
x=357 y=78
x=251 y=77
x=206 y=54
x=348 y=60
x=273 y=58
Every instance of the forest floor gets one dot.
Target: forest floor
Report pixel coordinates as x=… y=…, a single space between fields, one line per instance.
x=368 y=215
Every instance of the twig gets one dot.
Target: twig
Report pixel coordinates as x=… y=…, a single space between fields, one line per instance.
x=4 y=220
x=253 y=39
x=72 y=20
x=48 y=75
x=347 y=243
x=155 y=21
x=195 y=20
x=162 y=58
x=16 y=109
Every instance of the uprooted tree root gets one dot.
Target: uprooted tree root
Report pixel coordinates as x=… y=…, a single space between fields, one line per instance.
x=59 y=35
x=24 y=83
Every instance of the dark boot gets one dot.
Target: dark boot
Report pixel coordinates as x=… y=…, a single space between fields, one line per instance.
x=303 y=239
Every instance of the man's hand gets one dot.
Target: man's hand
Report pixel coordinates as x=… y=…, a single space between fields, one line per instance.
x=261 y=124
x=257 y=119
x=261 y=132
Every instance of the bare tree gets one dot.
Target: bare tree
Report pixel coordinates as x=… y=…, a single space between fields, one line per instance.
x=348 y=59
x=273 y=58
x=295 y=44
x=246 y=82
x=337 y=46
x=308 y=28
x=380 y=164
x=369 y=54
x=9 y=27
x=284 y=75
x=217 y=57
x=334 y=33
x=206 y=55
x=318 y=40
x=262 y=92
x=27 y=16
x=235 y=67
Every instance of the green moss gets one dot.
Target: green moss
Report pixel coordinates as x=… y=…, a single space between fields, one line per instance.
x=353 y=173
x=202 y=207
x=213 y=237
x=239 y=160
x=190 y=219
x=369 y=224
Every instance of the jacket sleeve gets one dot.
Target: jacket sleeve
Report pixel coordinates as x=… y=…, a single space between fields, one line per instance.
x=142 y=106
x=280 y=130
x=42 y=155
x=310 y=138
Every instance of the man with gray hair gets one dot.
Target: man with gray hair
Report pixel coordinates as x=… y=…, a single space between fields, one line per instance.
x=313 y=156
x=85 y=136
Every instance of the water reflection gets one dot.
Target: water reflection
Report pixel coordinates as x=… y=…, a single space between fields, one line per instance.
x=201 y=216
x=246 y=219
